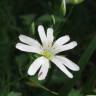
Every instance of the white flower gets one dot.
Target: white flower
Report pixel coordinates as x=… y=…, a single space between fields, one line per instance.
x=49 y=52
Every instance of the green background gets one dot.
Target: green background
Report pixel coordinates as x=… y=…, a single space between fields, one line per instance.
x=23 y=17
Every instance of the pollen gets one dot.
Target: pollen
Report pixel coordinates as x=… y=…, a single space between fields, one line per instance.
x=47 y=54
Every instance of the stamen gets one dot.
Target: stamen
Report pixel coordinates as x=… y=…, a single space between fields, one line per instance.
x=47 y=54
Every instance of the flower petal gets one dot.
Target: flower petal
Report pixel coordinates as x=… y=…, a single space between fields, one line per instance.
x=62 y=40
x=28 y=48
x=60 y=65
x=50 y=36
x=68 y=63
x=44 y=70
x=65 y=47
x=34 y=67
x=28 y=40
x=42 y=35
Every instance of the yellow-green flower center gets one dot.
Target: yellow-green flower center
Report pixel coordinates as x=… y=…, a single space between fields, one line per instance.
x=47 y=54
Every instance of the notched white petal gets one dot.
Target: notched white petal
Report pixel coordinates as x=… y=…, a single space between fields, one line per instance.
x=70 y=45
x=28 y=48
x=50 y=36
x=43 y=70
x=41 y=28
x=41 y=63
x=65 y=47
x=50 y=30
x=34 y=67
x=29 y=40
x=60 y=65
x=62 y=40
x=42 y=35
x=74 y=44
x=68 y=63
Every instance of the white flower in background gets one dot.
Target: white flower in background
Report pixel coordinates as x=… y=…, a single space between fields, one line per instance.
x=49 y=52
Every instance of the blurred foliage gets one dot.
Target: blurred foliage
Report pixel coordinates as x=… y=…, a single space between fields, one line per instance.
x=74 y=17
x=14 y=94
x=75 y=93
